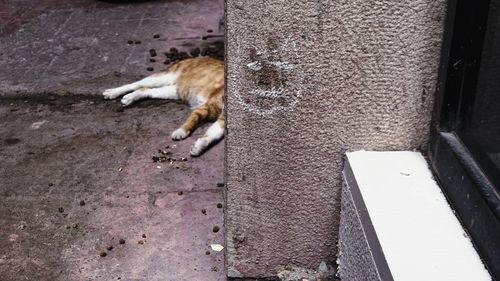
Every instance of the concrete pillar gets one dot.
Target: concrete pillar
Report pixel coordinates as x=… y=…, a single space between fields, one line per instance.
x=307 y=81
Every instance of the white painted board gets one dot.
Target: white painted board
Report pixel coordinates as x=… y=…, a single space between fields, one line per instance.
x=419 y=234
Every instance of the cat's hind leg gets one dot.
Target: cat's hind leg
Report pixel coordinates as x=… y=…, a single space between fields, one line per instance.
x=165 y=92
x=153 y=81
x=214 y=133
x=198 y=115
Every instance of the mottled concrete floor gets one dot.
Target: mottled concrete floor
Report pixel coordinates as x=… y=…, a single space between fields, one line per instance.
x=58 y=154
x=76 y=172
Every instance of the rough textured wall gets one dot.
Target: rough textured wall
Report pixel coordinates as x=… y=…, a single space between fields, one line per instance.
x=355 y=261
x=306 y=81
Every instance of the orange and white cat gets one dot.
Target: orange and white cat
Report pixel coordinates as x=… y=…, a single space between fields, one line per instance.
x=196 y=81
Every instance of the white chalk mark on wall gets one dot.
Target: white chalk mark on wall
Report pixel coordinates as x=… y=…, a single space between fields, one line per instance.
x=264 y=100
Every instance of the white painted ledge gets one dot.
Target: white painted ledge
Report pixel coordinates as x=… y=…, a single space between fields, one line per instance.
x=420 y=237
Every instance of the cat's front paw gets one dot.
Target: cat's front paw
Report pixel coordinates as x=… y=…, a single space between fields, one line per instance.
x=179 y=134
x=199 y=147
x=128 y=99
x=110 y=94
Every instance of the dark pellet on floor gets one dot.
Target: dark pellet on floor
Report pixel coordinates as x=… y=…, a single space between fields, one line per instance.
x=121 y=241
x=143 y=235
x=215 y=229
x=180 y=193
x=152 y=52
x=61 y=210
x=137 y=42
x=220 y=184
x=110 y=247
x=152 y=60
x=82 y=203
x=207 y=253
x=156 y=36
x=219 y=205
x=140 y=242
x=150 y=69
x=130 y=42
x=195 y=52
x=166 y=62
x=210 y=31
x=204 y=211
x=103 y=254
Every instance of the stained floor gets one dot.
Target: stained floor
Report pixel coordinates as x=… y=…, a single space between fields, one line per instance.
x=77 y=174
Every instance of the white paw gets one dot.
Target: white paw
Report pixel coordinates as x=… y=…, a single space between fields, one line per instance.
x=110 y=94
x=179 y=134
x=127 y=100
x=199 y=147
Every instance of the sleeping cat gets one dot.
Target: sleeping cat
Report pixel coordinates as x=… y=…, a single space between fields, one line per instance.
x=196 y=81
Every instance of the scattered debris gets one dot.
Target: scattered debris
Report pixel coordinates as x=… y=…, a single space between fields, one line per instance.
x=51 y=184
x=156 y=36
x=137 y=42
x=209 y=31
x=217 y=247
x=215 y=229
x=110 y=247
x=103 y=254
x=152 y=53
x=150 y=69
x=220 y=184
x=207 y=253
x=121 y=241
x=204 y=211
x=82 y=202
x=323 y=267
x=140 y=242
x=195 y=52
x=120 y=169
x=219 y=205
x=152 y=60
x=164 y=156
x=130 y=42
x=75 y=226
x=180 y=193
x=215 y=269
x=61 y=210
x=143 y=235
x=405 y=174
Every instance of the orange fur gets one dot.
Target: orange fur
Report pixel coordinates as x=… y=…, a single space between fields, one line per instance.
x=203 y=77
x=196 y=81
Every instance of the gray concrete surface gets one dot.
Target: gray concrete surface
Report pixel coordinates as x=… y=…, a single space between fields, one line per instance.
x=79 y=47
x=306 y=81
x=356 y=260
x=56 y=153
x=76 y=172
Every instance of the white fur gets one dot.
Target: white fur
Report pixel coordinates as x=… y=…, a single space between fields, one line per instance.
x=196 y=101
x=153 y=81
x=214 y=133
x=162 y=86
x=165 y=92
x=179 y=134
